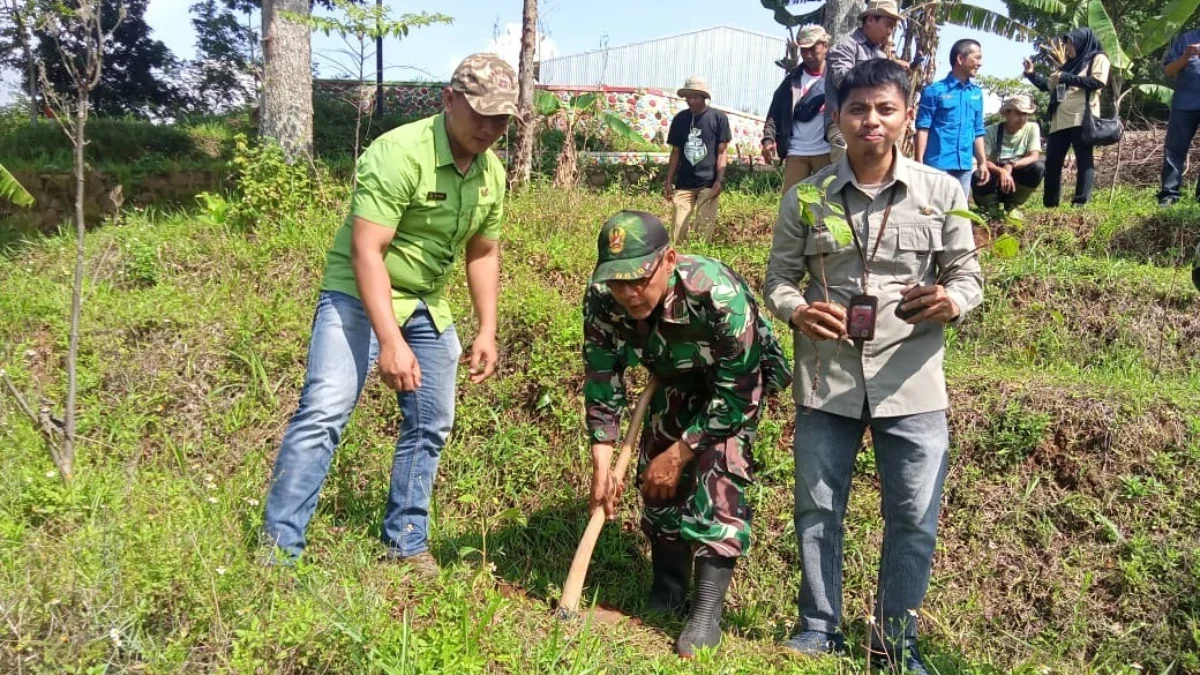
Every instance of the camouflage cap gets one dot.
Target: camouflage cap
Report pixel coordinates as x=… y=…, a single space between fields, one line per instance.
x=810 y=35
x=489 y=84
x=629 y=244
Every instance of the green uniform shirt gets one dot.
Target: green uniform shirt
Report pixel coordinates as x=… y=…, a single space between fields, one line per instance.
x=407 y=180
x=707 y=336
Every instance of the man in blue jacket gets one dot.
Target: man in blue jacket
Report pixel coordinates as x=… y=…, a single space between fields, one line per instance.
x=950 y=119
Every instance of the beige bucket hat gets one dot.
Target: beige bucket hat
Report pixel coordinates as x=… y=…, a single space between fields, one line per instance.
x=810 y=35
x=881 y=8
x=1021 y=103
x=489 y=84
x=695 y=85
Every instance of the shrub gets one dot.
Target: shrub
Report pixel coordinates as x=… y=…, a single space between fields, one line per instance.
x=271 y=191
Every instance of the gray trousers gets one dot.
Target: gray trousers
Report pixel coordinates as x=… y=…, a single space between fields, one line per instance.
x=911 y=456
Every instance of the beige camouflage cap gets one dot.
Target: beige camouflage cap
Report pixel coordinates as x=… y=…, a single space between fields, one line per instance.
x=811 y=35
x=489 y=84
x=1021 y=103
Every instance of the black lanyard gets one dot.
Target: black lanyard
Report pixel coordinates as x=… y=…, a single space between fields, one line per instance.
x=867 y=231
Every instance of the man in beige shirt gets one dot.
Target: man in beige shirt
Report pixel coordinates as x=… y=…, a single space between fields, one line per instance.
x=908 y=269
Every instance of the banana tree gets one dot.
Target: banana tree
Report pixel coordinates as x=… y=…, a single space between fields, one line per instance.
x=12 y=191
x=568 y=116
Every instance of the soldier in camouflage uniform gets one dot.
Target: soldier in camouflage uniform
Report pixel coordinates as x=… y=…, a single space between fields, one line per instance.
x=695 y=325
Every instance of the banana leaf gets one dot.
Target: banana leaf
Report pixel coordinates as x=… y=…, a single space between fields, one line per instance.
x=11 y=190
x=985 y=20
x=545 y=103
x=1156 y=92
x=1160 y=30
x=1099 y=21
x=1052 y=8
x=789 y=20
x=619 y=127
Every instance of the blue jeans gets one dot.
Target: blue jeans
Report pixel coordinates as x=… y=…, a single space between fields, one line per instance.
x=910 y=456
x=341 y=351
x=1181 y=129
x=964 y=178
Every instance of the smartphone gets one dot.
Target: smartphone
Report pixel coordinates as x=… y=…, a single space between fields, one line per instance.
x=906 y=314
x=864 y=311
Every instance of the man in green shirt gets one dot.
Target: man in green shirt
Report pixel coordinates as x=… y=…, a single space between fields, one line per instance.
x=1015 y=165
x=695 y=325
x=426 y=191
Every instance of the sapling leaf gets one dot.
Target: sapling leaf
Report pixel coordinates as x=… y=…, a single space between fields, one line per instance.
x=1006 y=247
x=969 y=215
x=808 y=194
x=1015 y=218
x=836 y=208
x=513 y=515
x=840 y=229
x=806 y=214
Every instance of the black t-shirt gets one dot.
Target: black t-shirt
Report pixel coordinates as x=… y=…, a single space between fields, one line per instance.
x=698 y=163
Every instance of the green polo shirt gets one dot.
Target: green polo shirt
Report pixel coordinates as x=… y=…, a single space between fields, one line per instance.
x=407 y=180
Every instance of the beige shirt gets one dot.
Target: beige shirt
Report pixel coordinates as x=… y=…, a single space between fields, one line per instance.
x=900 y=371
x=1070 y=110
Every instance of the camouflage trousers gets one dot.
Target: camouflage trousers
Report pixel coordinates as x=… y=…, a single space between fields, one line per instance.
x=709 y=509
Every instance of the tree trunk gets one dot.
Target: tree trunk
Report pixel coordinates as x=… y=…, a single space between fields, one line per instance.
x=567 y=173
x=67 y=458
x=521 y=163
x=286 y=109
x=841 y=18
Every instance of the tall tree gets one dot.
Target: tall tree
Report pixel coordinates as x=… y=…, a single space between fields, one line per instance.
x=286 y=109
x=16 y=39
x=139 y=75
x=521 y=163
x=228 y=65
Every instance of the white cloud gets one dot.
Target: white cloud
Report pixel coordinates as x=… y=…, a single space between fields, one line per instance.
x=508 y=45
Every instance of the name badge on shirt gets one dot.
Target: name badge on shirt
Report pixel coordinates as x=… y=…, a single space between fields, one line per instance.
x=436 y=196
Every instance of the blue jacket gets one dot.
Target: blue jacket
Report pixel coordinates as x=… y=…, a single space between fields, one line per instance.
x=952 y=111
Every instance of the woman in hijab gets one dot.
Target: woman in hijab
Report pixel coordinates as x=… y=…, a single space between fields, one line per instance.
x=1085 y=71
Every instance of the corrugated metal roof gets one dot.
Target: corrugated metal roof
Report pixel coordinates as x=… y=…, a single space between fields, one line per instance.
x=739 y=65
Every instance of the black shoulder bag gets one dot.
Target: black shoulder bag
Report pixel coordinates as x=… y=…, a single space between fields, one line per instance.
x=1098 y=131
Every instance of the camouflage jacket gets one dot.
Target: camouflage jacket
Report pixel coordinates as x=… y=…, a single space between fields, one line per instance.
x=708 y=333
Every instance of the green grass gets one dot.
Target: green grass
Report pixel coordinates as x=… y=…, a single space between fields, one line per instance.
x=1070 y=533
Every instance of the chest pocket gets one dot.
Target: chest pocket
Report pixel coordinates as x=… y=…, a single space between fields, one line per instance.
x=917 y=246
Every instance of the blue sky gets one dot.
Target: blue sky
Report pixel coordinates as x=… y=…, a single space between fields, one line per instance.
x=569 y=26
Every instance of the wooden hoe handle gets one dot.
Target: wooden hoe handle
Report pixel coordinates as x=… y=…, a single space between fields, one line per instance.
x=573 y=587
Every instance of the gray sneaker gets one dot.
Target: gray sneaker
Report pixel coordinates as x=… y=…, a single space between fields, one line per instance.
x=422 y=564
x=816 y=643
